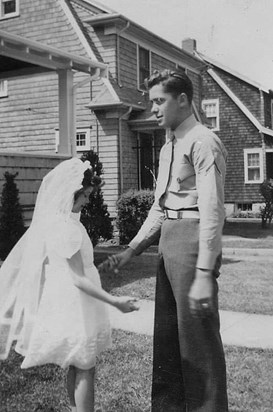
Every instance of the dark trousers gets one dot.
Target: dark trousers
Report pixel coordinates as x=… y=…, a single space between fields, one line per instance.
x=189 y=372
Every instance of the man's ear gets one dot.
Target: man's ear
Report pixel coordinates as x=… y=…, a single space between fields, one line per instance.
x=183 y=99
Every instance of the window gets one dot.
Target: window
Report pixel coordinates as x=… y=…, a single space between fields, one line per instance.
x=253 y=161
x=211 y=109
x=82 y=140
x=244 y=207
x=9 y=8
x=3 y=88
x=143 y=67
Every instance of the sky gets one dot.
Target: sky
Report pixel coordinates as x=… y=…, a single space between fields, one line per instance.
x=235 y=33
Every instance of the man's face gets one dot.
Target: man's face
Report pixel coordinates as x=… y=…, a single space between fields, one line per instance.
x=167 y=108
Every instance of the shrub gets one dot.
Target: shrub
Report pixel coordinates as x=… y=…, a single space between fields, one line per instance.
x=133 y=207
x=95 y=216
x=266 y=189
x=11 y=216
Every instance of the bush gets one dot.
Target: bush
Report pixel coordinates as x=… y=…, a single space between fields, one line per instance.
x=266 y=189
x=95 y=216
x=133 y=207
x=11 y=216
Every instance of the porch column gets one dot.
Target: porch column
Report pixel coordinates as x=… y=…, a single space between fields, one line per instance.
x=67 y=124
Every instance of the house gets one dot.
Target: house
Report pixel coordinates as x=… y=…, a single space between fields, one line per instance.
x=240 y=111
x=112 y=113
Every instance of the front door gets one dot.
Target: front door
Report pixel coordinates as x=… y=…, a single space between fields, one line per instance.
x=146 y=161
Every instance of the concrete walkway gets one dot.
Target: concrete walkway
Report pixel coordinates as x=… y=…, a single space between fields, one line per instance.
x=239 y=329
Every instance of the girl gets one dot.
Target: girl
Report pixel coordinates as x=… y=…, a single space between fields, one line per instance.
x=51 y=302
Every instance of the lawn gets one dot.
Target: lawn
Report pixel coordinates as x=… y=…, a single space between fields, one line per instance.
x=124 y=380
x=124 y=372
x=248 y=234
x=245 y=284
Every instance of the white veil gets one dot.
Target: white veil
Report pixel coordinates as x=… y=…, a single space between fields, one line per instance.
x=21 y=275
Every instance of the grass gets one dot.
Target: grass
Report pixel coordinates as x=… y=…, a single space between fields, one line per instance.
x=124 y=372
x=245 y=284
x=247 y=235
x=123 y=381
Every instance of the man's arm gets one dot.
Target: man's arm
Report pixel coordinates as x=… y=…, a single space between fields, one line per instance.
x=210 y=176
x=148 y=233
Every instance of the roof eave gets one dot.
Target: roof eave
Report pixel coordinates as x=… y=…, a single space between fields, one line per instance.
x=113 y=105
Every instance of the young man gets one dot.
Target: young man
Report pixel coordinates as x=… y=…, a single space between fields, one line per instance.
x=189 y=371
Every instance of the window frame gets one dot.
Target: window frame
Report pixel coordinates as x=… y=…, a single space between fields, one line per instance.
x=87 y=145
x=142 y=88
x=4 y=88
x=4 y=16
x=210 y=102
x=261 y=165
x=84 y=148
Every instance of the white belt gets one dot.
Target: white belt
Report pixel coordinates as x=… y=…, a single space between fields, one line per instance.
x=181 y=214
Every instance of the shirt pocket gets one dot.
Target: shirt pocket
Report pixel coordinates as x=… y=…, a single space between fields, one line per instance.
x=183 y=177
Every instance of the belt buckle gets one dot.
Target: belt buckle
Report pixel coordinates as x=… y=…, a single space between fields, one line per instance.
x=180 y=214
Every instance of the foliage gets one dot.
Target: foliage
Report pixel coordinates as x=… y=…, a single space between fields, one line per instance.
x=266 y=189
x=11 y=216
x=95 y=216
x=133 y=207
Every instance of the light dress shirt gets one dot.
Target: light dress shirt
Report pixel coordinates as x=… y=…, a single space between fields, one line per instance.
x=192 y=169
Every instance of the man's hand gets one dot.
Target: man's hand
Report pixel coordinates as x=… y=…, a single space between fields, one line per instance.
x=201 y=293
x=114 y=262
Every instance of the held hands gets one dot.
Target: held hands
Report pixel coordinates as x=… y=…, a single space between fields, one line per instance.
x=114 y=262
x=201 y=294
x=125 y=303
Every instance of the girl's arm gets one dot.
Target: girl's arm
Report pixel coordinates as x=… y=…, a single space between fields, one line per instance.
x=123 y=303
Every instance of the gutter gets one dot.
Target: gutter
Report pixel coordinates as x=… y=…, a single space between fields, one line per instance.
x=122 y=117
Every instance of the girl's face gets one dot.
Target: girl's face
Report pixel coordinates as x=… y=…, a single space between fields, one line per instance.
x=82 y=200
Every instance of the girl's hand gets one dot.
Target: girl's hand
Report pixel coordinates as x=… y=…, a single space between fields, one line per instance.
x=126 y=304
x=109 y=265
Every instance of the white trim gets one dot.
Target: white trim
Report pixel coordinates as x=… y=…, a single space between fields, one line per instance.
x=238 y=102
x=215 y=103
x=86 y=45
x=85 y=130
x=87 y=145
x=8 y=15
x=3 y=88
x=138 y=79
x=246 y=167
x=231 y=71
x=271 y=113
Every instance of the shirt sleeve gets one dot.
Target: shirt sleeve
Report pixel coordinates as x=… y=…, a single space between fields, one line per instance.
x=65 y=239
x=150 y=230
x=209 y=164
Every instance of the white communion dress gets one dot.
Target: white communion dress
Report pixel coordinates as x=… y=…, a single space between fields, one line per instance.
x=71 y=327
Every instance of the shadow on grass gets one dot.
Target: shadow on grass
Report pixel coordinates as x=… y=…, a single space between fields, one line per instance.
x=247 y=229
x=138 y=269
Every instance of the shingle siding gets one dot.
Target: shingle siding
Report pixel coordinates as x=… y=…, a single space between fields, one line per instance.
x=237 y=133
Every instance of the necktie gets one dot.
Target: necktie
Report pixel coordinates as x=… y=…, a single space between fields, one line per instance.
x=164 y=177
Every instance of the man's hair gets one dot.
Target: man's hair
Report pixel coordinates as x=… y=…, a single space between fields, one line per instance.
x=174 y=82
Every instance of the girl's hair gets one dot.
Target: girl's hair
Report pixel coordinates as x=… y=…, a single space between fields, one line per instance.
x=89 y=180
x=174 y=82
